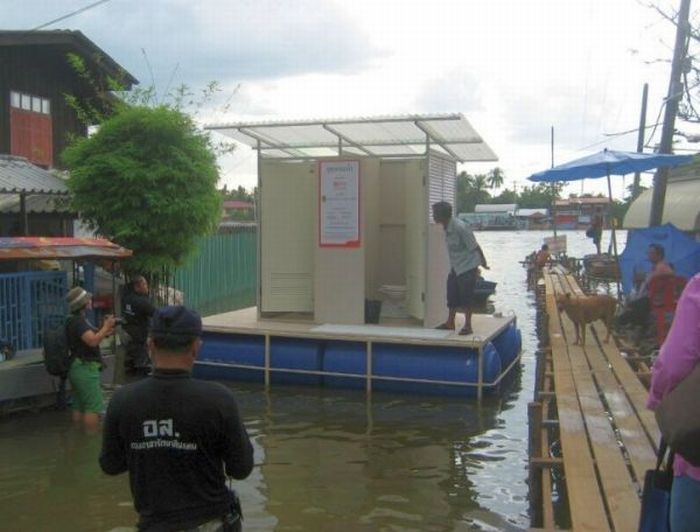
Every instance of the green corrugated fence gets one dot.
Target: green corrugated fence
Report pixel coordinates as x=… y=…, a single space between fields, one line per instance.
x=222 y=275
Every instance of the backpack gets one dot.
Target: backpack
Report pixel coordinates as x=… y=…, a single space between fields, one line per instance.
x=57 y=353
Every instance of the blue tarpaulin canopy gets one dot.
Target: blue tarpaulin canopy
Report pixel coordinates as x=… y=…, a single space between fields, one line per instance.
x=607 y=163
x=682 y=252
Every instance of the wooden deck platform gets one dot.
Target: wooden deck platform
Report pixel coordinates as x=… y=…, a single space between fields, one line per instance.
x=245 y=321
x=590 y=401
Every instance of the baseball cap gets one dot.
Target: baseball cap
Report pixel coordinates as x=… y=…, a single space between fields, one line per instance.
x=176 y=321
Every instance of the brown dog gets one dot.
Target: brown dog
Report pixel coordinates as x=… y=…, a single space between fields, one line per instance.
x=583 y=310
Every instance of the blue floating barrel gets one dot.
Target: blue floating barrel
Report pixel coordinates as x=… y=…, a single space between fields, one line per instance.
x=295 y=353
x=451 y=364
x=228 y=348
x=508 y=344
x=345 y=357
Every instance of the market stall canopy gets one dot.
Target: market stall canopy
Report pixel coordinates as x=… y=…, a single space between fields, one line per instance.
x=383 y=136
x=681 y=207
x=30 y=248
x=18 y=175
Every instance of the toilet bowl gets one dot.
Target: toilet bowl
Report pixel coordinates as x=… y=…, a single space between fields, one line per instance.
x=394 y=304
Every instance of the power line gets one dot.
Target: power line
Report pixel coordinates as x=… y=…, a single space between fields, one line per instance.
x=71 y=14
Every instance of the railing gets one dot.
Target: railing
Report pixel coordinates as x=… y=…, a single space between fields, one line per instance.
x=222 y=275
x=29 y=303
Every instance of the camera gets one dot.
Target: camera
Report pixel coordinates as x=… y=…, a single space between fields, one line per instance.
x=119 y=321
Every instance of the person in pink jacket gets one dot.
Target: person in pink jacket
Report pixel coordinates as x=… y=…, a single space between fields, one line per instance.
x=679 y=354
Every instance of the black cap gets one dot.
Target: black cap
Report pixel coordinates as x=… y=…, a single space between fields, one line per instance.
x=177 y=321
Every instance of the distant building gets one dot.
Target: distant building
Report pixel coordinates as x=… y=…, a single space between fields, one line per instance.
x=238 y=210
x=491 y=217
x=576 y=213
x=36 y=121
x=496 y=208
x=532 y=218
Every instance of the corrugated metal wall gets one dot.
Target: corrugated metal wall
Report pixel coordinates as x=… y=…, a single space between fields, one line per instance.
x=222 y=275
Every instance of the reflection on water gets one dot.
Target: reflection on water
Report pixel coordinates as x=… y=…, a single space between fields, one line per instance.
x=327 y=459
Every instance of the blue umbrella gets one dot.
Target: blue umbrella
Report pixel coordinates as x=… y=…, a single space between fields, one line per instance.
x=607 y=163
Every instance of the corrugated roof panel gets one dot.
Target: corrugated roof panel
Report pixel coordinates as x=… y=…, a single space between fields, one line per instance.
x=15 y=248
x=385 y=135
x=474 y=152
x=298 y=135
x=17 y=175
x=408 y=150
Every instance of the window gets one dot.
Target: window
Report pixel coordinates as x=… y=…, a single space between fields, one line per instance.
x=28 y=102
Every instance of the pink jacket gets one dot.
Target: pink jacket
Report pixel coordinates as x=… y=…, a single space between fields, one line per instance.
x=679 y=354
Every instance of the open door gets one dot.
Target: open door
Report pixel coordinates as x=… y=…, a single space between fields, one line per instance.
x=415 y=238
x=288 y=210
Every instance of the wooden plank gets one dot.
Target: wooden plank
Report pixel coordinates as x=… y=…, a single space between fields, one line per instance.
x=633 y=388
x=585 y=499
x=619 y=488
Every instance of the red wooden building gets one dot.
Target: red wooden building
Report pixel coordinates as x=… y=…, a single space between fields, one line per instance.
x=35 y=77
x=36 y=121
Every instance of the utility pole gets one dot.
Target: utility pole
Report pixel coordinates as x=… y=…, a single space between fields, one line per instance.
x=675 y=91
x=554 y=192
x=640 y=136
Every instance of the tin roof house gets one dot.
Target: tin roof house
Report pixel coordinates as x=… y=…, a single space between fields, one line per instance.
x=37 y=122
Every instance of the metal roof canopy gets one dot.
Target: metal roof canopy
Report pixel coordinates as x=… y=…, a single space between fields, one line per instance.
x=19 y=176
x=24 y=248
x=382 y=136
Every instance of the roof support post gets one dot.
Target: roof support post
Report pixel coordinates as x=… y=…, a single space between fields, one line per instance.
x=444 y=146
x=23 y=218
x=342 y=138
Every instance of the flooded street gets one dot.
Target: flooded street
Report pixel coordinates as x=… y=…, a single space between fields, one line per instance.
x=325 y=459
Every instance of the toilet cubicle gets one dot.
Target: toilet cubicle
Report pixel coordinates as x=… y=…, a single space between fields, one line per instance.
x=399 y=258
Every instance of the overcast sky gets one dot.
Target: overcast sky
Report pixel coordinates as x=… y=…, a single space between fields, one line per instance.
x=514 y=68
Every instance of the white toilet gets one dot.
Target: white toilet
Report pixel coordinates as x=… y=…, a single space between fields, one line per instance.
x=394 y=301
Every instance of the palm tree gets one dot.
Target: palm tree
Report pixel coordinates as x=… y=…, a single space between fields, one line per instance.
x=496 y=178
x=477 y=186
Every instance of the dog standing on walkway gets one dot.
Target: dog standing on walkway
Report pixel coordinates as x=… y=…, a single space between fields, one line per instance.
x=583 y=310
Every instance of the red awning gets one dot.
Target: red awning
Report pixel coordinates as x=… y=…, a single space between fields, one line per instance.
x=27 y=248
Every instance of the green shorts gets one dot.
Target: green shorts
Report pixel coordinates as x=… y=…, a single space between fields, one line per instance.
x=84 y=379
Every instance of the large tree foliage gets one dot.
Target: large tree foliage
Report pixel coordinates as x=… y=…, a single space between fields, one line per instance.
x=147 y=180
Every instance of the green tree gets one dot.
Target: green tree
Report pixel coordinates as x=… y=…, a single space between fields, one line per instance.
x=506 y=196
x=147 y=180
x=496 y=178
x=539 y=196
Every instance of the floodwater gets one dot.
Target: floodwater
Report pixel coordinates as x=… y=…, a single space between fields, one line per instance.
x=326 y=459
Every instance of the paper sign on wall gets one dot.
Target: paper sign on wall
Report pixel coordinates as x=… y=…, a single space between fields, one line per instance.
x=339 y=204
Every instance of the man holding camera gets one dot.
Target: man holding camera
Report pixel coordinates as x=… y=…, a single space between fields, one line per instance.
x=178 y=437
x=137 y=310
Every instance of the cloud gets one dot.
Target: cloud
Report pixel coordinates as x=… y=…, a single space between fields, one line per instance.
x=454 y=91
x=217 y=40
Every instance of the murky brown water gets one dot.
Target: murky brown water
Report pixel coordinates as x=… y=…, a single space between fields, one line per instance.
x=327 y=459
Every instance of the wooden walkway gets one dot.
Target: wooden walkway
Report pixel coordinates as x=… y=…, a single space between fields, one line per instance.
x=589 y=403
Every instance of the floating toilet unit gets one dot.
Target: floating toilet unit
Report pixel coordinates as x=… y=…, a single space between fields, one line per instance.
x=345 y=225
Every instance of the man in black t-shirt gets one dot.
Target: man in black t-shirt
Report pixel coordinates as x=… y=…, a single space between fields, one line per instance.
x=178 y=437
x=137 y=310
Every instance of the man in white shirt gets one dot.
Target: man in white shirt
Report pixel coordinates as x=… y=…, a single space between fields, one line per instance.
x=465 y=258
